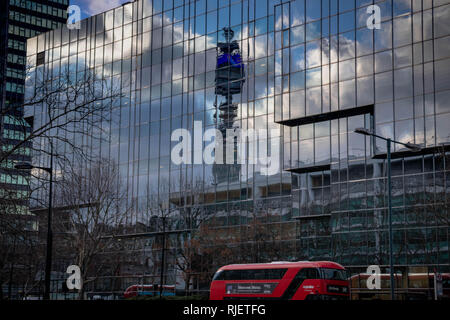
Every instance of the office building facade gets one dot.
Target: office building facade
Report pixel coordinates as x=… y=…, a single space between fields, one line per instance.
x=20 y=20
x=315 y=70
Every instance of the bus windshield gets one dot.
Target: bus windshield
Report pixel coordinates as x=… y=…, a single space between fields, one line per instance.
x=333 y=274
x=250 y=274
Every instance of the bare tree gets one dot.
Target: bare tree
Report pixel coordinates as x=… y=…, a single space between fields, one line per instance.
x=175 y=215
x=69 y=108
x=93 y=208
x=193 y=215
x=72 y=104
x=211 y=248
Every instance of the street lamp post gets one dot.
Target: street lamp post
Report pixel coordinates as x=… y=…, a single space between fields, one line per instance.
x=48 y=259
x=389 y=142
x=162 y=257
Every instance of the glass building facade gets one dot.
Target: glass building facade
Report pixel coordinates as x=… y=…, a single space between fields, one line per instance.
x=22 y=19
x=19 y=20
x=315 y=70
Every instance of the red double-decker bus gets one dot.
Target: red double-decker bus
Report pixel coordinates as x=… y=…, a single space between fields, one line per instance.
x=303 y=280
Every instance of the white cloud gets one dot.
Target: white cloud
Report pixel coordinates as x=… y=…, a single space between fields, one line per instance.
x=93 y=7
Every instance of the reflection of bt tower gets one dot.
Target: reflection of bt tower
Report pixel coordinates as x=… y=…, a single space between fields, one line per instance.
x=229 y=80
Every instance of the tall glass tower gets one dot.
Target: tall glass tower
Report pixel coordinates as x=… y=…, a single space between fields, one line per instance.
x=317 y=70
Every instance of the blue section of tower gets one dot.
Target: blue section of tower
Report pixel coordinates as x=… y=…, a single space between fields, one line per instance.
x=231 y=60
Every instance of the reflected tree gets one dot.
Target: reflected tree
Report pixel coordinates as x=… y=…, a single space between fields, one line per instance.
x=92 y=207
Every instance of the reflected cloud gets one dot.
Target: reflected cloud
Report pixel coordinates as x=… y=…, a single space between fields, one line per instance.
x=93 y=7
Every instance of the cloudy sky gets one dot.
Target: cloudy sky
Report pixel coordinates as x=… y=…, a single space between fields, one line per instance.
x=92 y=7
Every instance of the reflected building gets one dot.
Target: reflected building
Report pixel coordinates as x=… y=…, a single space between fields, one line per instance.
x=19 y=21
x=312 y=68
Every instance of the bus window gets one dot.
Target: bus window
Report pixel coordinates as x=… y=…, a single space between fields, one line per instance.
x=217 y=275
x=311 y=273
x=333 y=274
x=255 y=274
